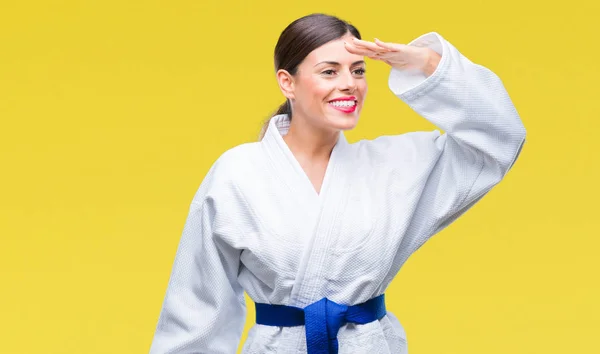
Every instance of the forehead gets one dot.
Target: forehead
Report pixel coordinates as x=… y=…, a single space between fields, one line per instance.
x=333 y=51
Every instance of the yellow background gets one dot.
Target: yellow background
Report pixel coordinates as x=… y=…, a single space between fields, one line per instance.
x=112 y=111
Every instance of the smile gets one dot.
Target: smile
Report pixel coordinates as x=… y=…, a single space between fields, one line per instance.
x=346 y=106
x=343 y=103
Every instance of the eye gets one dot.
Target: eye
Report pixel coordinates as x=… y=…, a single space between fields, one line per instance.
x=360 y=71
x=328 y=72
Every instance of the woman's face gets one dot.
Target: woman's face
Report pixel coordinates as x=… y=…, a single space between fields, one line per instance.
x=329 y=87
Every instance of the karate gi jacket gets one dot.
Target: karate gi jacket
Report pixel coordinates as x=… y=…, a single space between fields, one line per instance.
x=256 y=223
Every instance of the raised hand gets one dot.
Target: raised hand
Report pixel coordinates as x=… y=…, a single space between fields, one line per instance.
x=399 y=56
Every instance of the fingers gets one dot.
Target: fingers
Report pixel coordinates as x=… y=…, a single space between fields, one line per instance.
x=375 y=57
x=394 y=47
x=386 y=55
x=378 y=46
x=367 y=45
x=389 y=46
x=359 y=50
x=368 y=49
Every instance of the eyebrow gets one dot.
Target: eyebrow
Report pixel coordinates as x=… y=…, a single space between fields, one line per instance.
x=336 y=63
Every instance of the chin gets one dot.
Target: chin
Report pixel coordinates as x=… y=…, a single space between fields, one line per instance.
x=350 y=125
x=344 y=122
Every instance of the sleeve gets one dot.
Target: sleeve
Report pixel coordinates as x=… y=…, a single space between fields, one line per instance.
x=204 y=308
x=483 y=135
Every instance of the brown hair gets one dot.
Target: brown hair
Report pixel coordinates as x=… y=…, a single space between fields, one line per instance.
x=300 y=38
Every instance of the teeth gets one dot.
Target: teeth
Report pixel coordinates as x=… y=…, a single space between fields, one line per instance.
x=343 y=103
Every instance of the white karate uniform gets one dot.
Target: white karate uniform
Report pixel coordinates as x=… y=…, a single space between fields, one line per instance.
x=257 y=224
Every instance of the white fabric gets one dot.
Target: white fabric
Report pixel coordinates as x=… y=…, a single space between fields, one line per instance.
x=257 y=224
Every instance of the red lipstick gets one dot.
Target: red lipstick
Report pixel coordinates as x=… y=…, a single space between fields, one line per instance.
x=345 y=108
x=346 y=98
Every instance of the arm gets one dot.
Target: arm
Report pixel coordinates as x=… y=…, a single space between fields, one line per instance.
x=204 y=308
x=483 y=135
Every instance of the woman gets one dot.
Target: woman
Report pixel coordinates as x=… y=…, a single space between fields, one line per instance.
x=314 y=228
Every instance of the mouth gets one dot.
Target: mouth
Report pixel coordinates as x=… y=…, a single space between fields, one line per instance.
x=344 y=104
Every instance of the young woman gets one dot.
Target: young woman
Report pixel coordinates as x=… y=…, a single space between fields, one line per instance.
x=314 y=228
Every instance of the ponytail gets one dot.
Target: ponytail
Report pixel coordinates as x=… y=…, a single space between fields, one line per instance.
x=285 y=108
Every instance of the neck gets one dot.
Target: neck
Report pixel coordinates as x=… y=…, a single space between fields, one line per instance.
x=310 y=142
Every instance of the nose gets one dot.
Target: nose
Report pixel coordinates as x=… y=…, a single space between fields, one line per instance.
x=347 y=83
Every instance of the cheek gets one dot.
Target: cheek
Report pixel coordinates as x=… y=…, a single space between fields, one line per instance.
x=318 y=91
x=363 y=88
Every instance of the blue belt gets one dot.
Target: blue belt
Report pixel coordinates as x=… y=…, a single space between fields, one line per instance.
x=322 y=319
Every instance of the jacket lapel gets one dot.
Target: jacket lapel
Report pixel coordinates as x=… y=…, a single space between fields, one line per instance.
x=320 y=208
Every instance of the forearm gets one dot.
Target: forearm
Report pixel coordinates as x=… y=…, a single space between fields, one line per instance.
x=466 y=100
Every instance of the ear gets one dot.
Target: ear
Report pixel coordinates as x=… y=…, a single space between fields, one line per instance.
x=286 y=83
